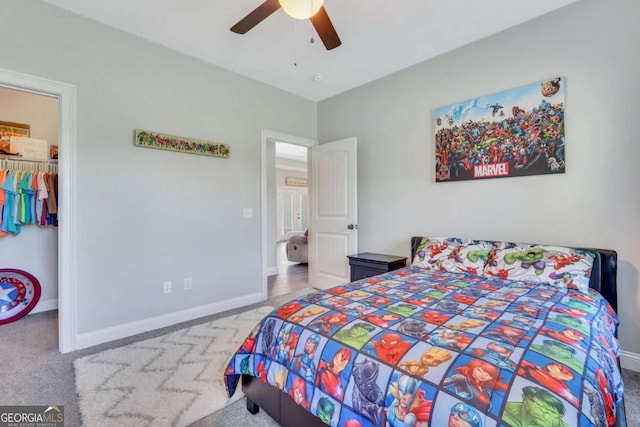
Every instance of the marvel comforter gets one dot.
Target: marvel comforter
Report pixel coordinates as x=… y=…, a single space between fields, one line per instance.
x=432 y=348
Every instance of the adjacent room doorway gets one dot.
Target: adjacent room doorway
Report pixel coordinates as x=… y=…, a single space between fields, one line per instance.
x=284 y=179
x=291 y=178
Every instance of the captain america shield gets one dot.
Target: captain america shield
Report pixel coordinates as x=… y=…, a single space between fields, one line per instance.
x=19 y=293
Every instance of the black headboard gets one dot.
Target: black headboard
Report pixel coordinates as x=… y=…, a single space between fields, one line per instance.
x=603 y=275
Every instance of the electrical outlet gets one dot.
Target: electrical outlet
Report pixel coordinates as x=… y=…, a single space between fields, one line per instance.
x=188 y=283
x=167 y=287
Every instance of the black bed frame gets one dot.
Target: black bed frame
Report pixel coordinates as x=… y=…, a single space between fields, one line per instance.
x=287 y=413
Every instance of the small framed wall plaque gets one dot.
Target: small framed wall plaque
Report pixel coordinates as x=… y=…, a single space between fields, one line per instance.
x=161 y=141
x=295 y=181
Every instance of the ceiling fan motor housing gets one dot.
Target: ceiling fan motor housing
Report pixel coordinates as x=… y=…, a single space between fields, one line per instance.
x=301 y=9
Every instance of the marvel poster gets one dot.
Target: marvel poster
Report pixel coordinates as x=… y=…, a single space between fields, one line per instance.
x=512 y=133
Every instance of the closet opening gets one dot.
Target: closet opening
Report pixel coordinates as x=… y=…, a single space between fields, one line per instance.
x=29 y=146
x=57 y=276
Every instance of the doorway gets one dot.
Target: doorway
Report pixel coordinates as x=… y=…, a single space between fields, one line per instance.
x=291 y=273
x=66 y=95
x=270 y=180
x=32 y=245
x=291 y=180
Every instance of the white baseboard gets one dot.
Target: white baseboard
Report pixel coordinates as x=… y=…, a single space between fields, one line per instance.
x=272 y=271
x=89 y=339
x=630 y=360
x=50 y=304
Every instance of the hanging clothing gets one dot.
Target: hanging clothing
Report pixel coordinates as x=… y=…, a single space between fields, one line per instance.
x=27 y=197
x=3 y=177
x=43 y=194
x=9 y=210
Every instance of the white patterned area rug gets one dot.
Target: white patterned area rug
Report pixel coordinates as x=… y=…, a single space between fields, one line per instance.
x=171 y=380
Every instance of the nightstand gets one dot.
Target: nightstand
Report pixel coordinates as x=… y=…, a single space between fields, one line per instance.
x=367 y=264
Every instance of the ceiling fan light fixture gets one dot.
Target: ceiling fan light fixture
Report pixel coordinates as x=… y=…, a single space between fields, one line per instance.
x=301 y=9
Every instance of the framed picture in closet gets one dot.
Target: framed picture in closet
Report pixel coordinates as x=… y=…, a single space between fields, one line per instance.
x=9 y=129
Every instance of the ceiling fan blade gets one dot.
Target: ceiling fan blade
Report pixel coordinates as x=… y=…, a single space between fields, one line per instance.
x=257 y=16
x=325 y=29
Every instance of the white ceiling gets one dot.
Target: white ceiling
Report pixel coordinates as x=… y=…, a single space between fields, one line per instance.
x=378 y=37
x=291 y=152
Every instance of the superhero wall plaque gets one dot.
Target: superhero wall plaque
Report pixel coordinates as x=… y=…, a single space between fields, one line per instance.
x=512 y=133
x=19 y=294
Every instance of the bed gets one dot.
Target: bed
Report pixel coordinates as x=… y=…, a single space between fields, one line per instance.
x=473 y=333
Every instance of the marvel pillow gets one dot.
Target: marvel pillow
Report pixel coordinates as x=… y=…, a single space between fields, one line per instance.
x=554 y=265
x=452 y=254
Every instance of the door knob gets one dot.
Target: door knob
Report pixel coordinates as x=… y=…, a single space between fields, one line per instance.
x=351 y=226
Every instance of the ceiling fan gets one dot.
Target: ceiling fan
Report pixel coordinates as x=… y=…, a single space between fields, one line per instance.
x=298 y=9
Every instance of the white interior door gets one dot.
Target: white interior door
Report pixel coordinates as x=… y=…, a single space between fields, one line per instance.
x=333 y=229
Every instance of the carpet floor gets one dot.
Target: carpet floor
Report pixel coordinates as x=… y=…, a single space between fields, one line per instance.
x=36 y=372
x=182 y=369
